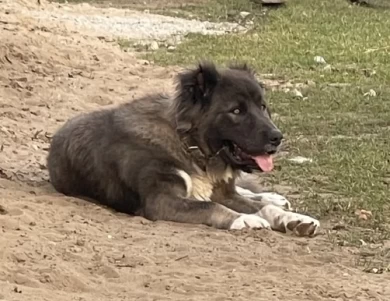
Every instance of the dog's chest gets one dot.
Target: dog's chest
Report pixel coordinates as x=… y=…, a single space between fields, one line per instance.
x=200 y=185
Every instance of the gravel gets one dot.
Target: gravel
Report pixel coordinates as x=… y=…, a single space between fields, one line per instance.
x=129 y=24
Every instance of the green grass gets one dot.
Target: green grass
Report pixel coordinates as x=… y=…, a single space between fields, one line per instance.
x=346 y=133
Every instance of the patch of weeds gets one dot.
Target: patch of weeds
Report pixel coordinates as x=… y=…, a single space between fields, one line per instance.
x=125 y=43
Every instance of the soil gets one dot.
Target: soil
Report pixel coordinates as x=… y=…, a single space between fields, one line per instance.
x=54 y=247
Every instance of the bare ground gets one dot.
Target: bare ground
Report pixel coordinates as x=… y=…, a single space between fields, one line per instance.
x=54 y=247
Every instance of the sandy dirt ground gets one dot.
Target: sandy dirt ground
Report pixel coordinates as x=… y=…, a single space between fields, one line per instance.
x=59 y=248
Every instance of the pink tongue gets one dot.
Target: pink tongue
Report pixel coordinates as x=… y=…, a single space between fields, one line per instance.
x=265 y=162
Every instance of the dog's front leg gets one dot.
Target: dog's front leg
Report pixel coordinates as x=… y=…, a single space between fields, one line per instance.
x=273 y=208
x=165 y=196
x=167 y=206
x=266 y=198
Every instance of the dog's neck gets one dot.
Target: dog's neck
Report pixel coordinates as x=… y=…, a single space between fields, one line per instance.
x=200 y=155
x=192 y=145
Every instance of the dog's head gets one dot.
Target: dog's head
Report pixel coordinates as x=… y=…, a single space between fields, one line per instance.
x=226 y=113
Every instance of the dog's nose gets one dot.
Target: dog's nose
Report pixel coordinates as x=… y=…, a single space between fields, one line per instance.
x=275 y=137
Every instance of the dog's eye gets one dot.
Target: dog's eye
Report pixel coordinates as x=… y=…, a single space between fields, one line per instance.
x=236 y=111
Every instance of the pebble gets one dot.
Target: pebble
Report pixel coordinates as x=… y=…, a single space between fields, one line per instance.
x=244 y=14
x=371 y=93
x=297 y=93
x=328 y=68
x=154 y=46
x=319 y=60
x=300 y=159
x=311 y=83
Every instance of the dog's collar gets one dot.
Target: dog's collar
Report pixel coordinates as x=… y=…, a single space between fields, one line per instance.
x=201 y=159
x=198 y=156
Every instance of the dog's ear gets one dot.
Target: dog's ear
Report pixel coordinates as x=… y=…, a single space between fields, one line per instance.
x=200 y=82
x=194 y=91
x=242 y=67
x=207 y=77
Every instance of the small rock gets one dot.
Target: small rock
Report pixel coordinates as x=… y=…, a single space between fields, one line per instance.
x=300 y=159
x=154 y=46
x=370 y=93
x=244 y=14
x=363 y=214
x=311 y=83
x=3 y=211
x=171 y=48
x=297 y=93
x=75 y=249
x=319 y=60
x=144 y=62
x=328 y=68
x=362 y=242
x=374 y=270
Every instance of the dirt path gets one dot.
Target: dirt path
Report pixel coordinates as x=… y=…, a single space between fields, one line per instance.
x=58 y=248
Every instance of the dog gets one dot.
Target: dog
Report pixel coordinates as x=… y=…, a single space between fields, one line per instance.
x=177 y=158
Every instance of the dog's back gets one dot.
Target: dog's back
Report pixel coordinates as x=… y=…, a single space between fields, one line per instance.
x=89 y=153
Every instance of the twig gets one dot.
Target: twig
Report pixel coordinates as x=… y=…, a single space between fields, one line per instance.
x=376 y=49
x=181 y=258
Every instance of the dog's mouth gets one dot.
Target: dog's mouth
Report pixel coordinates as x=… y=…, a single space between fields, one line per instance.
x=238 y=157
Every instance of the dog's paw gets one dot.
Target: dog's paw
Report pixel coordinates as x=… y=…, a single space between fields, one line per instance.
x=249 y=221
x=287 y=221
x=302 y=225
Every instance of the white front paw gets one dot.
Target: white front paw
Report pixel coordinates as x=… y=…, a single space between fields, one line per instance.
x=249 y=221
